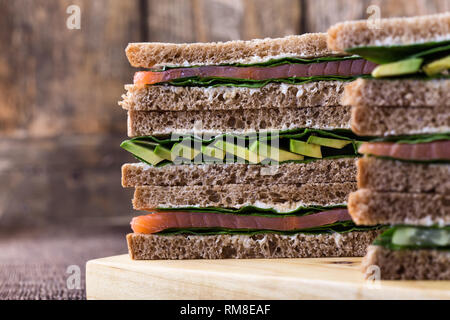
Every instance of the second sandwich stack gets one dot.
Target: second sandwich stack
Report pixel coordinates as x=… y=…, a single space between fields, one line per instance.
x=245 y=150
x=404 y=176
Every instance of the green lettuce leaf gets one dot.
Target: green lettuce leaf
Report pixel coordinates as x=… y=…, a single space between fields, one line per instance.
x=387 y=54
x=256 y=211
x=415 y=138
x=338 y=227
x=385 y=240
x=274 y=62
x=236 y=82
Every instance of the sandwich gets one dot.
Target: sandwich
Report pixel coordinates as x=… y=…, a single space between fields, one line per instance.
x=244 y=150
x=404 y=176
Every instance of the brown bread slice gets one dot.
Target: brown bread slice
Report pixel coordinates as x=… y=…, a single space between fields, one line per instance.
x=397 y=93
x=272 y=95
x=381 y=121
x=407 y=264
x=391 y=31
x=268 y=246
x=320 y=171
x=368 y=207
x=285 y=197
x=141 y=123
x=148 y=55
x=400 y=176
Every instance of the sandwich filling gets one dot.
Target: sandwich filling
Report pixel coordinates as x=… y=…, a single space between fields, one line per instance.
x=201 y=222
x=430 y=59
x=414 y=237
x=286 y=70
x=300 y=145
x=415 y=148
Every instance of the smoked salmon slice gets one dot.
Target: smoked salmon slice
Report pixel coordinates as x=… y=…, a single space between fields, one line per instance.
x=428 y=151
x=162 y=220
x=352 y=67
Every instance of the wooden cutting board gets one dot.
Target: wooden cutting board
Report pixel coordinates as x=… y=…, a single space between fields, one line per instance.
x=119 y=277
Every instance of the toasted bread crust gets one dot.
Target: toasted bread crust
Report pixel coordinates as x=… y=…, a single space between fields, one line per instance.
x=148 y=55
x=271 y=96
x=321 y=171
x=391 y=31
x=397 y=93
x=407 y=264
x=368 y=207
x=285 y=197
x=263 y=246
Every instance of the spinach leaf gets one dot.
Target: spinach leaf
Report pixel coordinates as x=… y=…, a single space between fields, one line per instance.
x=387 y=54
x=338 y=227
x=256 y=211
x=276 y=62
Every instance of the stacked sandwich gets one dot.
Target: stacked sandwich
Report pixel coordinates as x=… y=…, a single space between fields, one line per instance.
x=404 y=176
x=244 y=150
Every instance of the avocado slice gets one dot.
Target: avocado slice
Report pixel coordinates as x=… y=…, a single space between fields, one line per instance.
x=398 y=68
x=327 y=142
x=304 y=148
x=213 y=152
x=437 y=66
x=184 y=151
x=164 y=153
x=238 y=151
x=143 y=153
x=276 y=154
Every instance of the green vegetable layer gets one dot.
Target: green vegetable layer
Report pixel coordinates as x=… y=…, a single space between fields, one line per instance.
x=281 y=139
x=236 y=82
x=388 y=54
x=339 y=227
x=412 y=237
x=256 y=211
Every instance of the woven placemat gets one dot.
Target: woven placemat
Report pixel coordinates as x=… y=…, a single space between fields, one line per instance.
x=43 y=263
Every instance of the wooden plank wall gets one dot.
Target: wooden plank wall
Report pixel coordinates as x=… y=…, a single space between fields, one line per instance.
x=60 y=125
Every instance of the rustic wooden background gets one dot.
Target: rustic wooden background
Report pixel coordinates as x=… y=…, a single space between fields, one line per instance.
x=60 y=125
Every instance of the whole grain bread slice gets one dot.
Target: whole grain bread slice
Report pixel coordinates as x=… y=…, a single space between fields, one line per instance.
x=320 y=171
x=397 y=93
x=262 y=246
x=406 y=264
x=148 y=55
x=399 y=176
x=142 y=123
x=272 y=95
x=284 y=197
x=383 y=121
x=390 y=31
x=368 y=207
